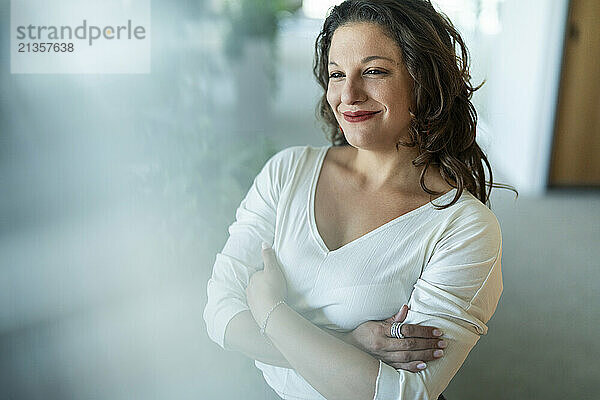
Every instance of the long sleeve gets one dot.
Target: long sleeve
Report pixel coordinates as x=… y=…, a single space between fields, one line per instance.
x=241 y=255
x=458 y=292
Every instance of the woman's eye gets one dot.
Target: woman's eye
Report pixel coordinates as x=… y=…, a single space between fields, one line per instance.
x=335 y=75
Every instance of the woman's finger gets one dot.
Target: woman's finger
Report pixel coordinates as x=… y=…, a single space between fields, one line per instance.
x=268 y=255
x=411 y=330
x=411 y=344
x=411 y=366
x=410 y=356
x=399 y=316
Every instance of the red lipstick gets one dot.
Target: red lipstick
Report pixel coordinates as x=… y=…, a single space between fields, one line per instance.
x=359 y=116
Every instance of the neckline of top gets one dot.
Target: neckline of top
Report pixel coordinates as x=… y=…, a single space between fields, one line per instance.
x=311 y=209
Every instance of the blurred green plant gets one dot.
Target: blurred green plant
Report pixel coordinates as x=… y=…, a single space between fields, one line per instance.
x=256 y=20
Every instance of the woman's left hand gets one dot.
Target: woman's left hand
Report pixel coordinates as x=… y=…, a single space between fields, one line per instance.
x=266 y=287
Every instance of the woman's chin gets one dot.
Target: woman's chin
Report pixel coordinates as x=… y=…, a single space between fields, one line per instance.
x=360 y=139
x=366 y=142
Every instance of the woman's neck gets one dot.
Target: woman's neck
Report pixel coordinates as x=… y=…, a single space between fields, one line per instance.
x=385 y=170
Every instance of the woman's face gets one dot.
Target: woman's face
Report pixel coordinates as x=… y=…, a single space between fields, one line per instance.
x=367 y=73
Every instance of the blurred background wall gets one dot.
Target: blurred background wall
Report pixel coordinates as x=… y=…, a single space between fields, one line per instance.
x=117 y=191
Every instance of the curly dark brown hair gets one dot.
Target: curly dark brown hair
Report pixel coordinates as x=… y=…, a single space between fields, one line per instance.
x=444 y=120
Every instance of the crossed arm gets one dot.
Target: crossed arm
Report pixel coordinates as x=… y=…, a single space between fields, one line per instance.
x=420 y=344
x=334 y=368
x=457 y=292
x=243 y=335
x=339 y=370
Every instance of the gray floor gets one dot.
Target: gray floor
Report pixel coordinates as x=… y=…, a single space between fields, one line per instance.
x=542 y=342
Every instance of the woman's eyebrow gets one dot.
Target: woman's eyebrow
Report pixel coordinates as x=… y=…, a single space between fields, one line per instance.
x=367 y=59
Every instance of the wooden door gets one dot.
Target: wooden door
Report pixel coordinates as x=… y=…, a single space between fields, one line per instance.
x=576 y=148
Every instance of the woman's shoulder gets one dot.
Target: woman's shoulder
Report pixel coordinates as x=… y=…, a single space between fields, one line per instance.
x=293 y=157
x=295 y=152
x=290 y=161
x=471 y=208
x=470 y=221
x=301 y=151
x=466 y=205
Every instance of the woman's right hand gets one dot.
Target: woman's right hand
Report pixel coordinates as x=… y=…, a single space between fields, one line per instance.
x=419 y=345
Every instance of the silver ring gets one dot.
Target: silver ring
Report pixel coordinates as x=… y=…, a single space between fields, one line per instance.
x=395 y=330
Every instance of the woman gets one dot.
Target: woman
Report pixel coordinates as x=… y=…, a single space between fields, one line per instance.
x=354 y=230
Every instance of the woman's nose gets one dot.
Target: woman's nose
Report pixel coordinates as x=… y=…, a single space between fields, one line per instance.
x=352 y=91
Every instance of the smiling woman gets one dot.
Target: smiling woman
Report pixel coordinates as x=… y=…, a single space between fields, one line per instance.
x=354 y=230
x=378 y=86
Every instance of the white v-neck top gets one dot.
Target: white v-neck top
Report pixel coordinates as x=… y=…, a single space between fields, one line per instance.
x=445 y=264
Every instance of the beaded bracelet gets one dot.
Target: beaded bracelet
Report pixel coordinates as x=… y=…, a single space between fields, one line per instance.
x=262 y=329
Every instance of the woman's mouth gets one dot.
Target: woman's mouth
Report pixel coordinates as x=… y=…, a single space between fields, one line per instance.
x=359 y=116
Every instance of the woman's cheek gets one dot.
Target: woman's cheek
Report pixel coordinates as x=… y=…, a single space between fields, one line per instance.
x=331 y=100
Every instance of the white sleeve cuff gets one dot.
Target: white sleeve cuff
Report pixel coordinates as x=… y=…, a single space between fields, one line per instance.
x=387 y=385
